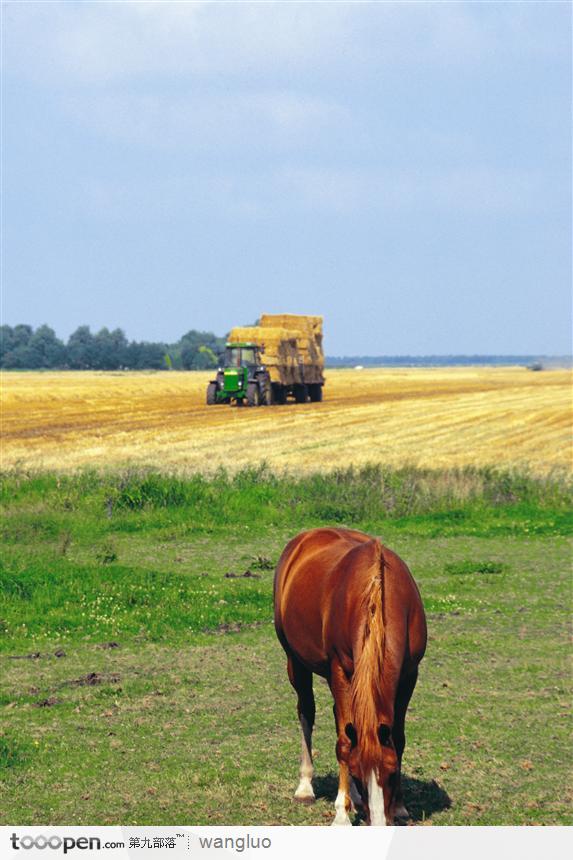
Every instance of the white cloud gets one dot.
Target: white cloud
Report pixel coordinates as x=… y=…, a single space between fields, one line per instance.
x=225 y=80
x=93 y=43
x=469 y=190
x=207 y=119
x=89 y=42
x=288 y=191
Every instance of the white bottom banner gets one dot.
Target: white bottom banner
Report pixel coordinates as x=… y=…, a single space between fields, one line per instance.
x=286 y=843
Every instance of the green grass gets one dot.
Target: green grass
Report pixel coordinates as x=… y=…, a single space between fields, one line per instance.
x=142 y=681
x=473 y=567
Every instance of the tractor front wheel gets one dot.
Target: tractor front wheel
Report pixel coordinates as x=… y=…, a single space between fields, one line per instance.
x=253 y=394
x=211 y=394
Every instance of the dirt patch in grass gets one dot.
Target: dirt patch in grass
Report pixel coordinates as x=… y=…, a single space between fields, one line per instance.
x=47 y=703
x=92 y=679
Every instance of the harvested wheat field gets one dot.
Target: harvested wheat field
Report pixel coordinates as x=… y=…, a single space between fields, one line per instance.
x=427 y=417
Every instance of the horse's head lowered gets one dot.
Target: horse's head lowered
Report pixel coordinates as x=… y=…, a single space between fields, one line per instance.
x=374 y=767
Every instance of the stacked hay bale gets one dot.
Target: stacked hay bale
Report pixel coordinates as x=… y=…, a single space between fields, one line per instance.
x=279 y=347
x=292 y=347
x=307 y=334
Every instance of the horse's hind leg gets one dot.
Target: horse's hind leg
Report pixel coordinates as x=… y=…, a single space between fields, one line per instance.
x=347 y=795
x=301 y=679
x=403 y=696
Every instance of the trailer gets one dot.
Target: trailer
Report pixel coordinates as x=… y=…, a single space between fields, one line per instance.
x=280 y=358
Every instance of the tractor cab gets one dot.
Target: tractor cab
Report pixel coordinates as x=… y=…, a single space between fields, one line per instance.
x=241 y=376
x=241 y=355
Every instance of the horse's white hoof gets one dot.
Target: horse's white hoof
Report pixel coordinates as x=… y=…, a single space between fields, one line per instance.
x=304 y=792
x=341 y=821
x=341 y=818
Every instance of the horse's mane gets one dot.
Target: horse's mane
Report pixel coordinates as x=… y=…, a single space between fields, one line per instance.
x=366 y=687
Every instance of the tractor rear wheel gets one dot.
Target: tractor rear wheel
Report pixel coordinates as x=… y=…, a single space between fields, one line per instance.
x=265 y=396
x=253 y=394
x=315 y=392
x=279 y=396
x=211 y=394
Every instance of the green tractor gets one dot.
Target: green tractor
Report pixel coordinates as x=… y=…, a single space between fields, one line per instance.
x=242 y=377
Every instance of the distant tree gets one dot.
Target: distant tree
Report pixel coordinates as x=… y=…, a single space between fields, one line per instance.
x=24 y=348
x=22 y=335
x=50 y=350
x=110 y=349
x=135 y=355
x=81 y=348
x=13 y=343
x=154 y=355
x=198 y=350
x=6 y=341
x=206 y=358
x=22 y=358
x=145 y=355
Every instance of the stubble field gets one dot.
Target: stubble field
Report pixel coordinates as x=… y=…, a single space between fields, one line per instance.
x=424 y=417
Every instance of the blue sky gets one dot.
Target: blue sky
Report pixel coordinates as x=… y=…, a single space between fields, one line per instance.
x=401 y=168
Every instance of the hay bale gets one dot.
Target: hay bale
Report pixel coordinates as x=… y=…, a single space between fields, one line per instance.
x=292 y=346
x=296 y=322
x=243 y=334
x=306 y=329
x=279 y=344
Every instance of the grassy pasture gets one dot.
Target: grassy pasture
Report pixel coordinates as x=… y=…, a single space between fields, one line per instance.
x=429 y=417
x=142 y=681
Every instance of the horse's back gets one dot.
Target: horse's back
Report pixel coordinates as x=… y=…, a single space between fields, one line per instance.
x=309 y=560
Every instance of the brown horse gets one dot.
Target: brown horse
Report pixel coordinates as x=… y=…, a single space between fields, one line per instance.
x=348 y=609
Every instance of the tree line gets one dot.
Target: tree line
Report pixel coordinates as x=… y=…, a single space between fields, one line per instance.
x=25 y=349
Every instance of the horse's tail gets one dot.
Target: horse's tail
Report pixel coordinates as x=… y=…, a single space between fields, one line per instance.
x=366 y=688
